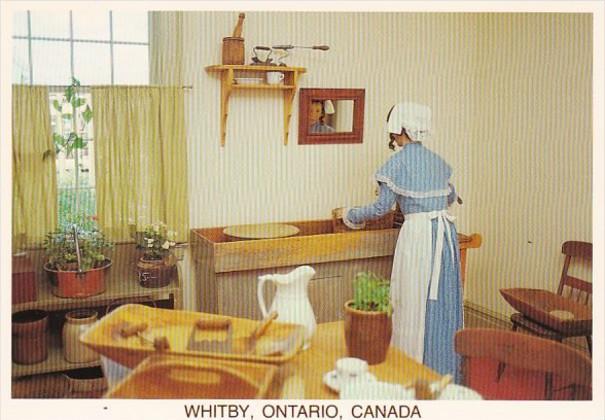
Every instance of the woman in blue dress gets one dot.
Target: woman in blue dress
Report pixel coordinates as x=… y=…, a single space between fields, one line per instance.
x=426 y=291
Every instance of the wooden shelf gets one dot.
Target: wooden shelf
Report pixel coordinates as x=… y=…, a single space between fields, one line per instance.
x=121 y=286
x=227 y=74
x=55 y=362
x=263 y=86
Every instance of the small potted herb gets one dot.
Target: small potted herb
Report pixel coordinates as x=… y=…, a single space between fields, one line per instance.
x=77 y=258
x=368 y=324
x=157 y=266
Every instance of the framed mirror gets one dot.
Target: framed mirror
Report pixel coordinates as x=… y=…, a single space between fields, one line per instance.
x=328 y=116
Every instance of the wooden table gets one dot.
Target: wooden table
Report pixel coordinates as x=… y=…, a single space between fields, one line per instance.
x=302 y=377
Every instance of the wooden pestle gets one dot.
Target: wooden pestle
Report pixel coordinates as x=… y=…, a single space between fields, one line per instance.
x=239 y=26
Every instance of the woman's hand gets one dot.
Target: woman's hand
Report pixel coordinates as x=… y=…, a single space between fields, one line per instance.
x=338 y=213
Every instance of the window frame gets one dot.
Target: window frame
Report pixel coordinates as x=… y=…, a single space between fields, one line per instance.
x=71 y=40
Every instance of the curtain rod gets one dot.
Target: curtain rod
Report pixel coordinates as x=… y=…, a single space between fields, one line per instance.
x=103 y=86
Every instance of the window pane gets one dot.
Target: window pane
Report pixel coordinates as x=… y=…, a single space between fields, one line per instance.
x=130 y=26
x=20 y=62
x=91 y=25
x=92 y=63
x=50 y=24
x=131 y=64
x=51 y=62
x=20 y=23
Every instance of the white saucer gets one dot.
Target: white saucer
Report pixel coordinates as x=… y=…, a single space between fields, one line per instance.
x=332 y=380
x=375 y=390
x=459 y=392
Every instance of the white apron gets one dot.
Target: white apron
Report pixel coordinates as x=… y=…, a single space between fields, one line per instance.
x=413 y=275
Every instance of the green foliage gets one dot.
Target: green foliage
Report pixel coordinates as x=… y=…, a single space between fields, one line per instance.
x=371 y=293
x=71 y=141
x=60 y=247
x=156 y=241
x=67 y=204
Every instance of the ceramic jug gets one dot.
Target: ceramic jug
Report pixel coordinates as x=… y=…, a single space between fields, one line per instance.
x=76 y=323
x=291 y=301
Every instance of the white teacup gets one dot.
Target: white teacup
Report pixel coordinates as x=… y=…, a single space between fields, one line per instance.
x=350 y=368
x=274 y=77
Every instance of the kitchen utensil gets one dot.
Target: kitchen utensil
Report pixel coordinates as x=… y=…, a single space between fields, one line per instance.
x=459 y=392
x=375 y=390
x=262 y=56
x=129 y=330
x=250 y=342
x=283 y=50
x=333 y=381
x=291 y=299
x=260 y=231
x=233 y=46
x=215 y=346
x=178 y=377
x=104 y=336
x=546 y=308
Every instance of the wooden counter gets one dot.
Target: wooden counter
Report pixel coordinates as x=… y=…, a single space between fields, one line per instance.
x=302 y=378
x=227 y=271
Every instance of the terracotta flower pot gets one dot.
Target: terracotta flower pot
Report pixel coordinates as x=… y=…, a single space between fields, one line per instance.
x=367 y=334
x=30 y=341
x=155 y=273
x=71 y=284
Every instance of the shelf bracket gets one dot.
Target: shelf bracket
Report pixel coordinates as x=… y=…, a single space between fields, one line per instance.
x=225 y=93
x=291 y=79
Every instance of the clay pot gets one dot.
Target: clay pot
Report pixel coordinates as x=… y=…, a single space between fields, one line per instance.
x=76 y=323
x=155 y=273
x=72 y=284
x=86 y=383
x=30 y=341
x=367 y=334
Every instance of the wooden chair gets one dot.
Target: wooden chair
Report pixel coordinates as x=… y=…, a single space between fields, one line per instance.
x=528 y=353
x=570 y=287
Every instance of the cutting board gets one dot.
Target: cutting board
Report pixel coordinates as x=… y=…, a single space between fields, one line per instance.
x=260 y=231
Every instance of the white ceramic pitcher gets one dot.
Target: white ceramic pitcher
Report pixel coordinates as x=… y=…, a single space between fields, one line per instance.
x=291 y=301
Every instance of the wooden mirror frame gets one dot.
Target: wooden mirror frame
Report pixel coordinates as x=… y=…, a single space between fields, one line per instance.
x=308 y=95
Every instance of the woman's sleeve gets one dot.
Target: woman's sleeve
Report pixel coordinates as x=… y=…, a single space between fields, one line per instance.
x=452 y=195
x=355 y=217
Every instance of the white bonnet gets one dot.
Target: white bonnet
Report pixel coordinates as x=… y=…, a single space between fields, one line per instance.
x=414 y=118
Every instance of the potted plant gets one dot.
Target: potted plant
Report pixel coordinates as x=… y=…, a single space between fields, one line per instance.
x=368 y=324
x=157 y=265
x=77 y=258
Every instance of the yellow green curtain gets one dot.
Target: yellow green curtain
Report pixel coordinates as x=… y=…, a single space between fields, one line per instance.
x=141 y=159
x=34 y=168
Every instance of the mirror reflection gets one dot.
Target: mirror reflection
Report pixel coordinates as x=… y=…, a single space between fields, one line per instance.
x=330 y=116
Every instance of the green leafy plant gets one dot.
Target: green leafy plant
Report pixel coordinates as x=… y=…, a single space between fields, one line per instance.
x=60 y=248
x=371 y=293
x=156 y=241
x=69 y=108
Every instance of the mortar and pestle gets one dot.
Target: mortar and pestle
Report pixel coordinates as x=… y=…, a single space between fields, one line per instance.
x=233 y=46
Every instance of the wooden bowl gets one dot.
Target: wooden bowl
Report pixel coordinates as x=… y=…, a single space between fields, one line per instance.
x=178 y=377
x=554 y=311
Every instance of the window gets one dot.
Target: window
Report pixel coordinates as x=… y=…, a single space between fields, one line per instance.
x=52 y=48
